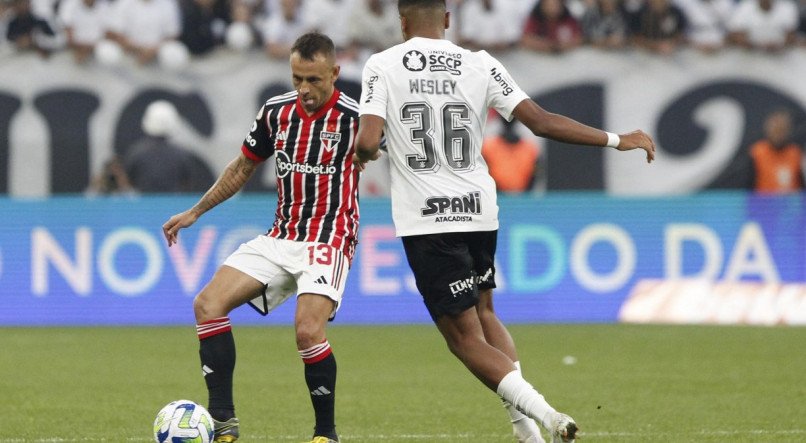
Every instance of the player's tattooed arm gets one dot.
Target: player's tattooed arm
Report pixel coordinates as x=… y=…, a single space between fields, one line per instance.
x=235 y=175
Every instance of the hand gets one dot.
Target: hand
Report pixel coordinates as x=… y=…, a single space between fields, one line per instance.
x=362 y=164
x=171 y=228
x=638 y=140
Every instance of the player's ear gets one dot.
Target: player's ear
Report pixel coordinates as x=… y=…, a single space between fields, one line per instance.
x=404 y=26
x=336 y=71
x=447 y=19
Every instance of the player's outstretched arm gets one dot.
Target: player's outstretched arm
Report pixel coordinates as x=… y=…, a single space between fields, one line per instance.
x=368 y=140
x=564 y=129
x=234 y=177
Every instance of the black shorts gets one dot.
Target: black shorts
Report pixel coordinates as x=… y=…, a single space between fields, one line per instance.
x=450 y=268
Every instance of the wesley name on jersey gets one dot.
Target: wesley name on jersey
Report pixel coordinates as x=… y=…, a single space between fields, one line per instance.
x=430 y=86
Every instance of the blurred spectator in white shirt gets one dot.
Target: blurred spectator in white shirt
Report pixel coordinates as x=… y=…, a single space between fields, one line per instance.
x=330 y=18
x=246 y=24
x=604 y=25
x=767 y=25
x=85 y=23
x=269 y=6
x=707 y=22
x=142 y=26
x=283 y=28
x=46 y=9
x=490 y=24
x=373 y=25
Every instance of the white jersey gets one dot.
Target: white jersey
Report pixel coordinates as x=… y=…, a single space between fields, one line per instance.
x=434 y=97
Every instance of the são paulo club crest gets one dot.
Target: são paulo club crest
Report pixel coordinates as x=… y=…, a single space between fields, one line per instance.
x=414 y=61
x=329 y=139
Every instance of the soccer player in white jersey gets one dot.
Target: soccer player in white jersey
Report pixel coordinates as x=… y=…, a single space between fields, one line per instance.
x=430 y=98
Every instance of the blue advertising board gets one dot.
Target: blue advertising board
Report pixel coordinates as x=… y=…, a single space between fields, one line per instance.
x=565 y=257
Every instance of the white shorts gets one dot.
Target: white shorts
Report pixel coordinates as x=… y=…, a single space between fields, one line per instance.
x=287 y=267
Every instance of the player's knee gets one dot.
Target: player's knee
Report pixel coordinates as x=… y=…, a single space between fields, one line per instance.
x=200 y=309
x=309 y=334
x=206 y=308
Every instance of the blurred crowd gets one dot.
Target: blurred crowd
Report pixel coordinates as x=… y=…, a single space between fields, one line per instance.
x=172 y=32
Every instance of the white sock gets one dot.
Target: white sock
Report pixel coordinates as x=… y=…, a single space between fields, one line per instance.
x=517 y=391
x=523 y=426
x=514 y=414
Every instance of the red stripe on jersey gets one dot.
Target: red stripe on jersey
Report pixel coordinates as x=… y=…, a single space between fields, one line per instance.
x=298 y=190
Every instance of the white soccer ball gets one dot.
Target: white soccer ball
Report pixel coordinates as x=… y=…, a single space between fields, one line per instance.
x=183 y=421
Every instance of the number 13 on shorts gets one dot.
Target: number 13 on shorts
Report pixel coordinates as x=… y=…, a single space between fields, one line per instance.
x=321 y=254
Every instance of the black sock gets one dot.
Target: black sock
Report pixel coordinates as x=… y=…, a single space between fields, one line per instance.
x=321 y=379
x=217 y=353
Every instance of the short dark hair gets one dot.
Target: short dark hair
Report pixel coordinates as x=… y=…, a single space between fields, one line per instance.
x=312 y=43
x=401 y=4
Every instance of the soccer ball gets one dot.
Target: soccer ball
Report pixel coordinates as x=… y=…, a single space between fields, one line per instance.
x=183 y=421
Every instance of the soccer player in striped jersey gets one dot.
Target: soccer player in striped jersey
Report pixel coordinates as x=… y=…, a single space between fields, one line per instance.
x=310 y=132
x=430 y=97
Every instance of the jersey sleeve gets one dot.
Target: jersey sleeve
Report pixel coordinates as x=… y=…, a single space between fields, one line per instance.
x=259 y=143
x=503 y=94
x=373 y=91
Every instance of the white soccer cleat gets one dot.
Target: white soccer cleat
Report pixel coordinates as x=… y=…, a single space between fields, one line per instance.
x=526 y=430
x=563 y=429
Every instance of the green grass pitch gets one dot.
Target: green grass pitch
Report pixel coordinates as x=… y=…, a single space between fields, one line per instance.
x=630 y=383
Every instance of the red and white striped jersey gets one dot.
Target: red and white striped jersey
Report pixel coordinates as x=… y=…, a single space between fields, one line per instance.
x=317 y=183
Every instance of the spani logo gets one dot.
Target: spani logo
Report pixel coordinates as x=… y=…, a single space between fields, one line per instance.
x=285 y=165
x=414 y=61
